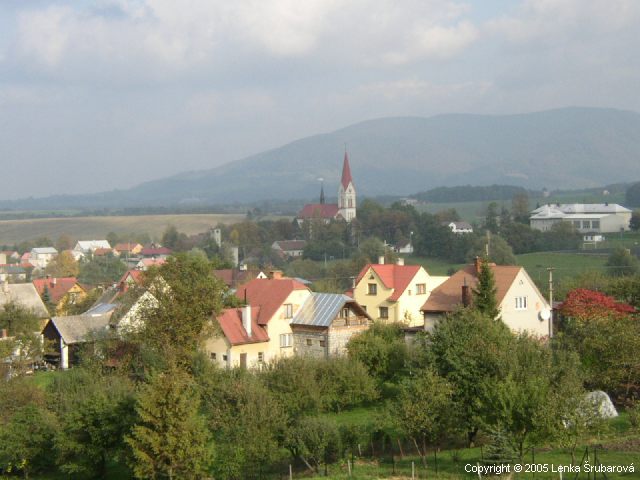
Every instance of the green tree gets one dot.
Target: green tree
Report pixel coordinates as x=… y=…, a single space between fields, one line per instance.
x=25 y=441
x=104 y=270
x=381 y=349
x=314 y=440
x=520 y=207
x=500 y=251
x=484 y=295
x=491 y=218
x=64 y=265
x=23 y=325
x=632 y=197
x=170 y=439
x=622 y=263
x=634 y=223
x=471 y=352
x=423 y=409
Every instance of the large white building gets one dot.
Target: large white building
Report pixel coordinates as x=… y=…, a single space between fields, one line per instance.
x=585 y=217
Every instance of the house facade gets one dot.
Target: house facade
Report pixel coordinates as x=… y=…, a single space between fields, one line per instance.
x=394 y=292
x=62 y=291
x=592 y=218
x=85 y=247
x=40 y=257
x=289 y=248
x=522 y=306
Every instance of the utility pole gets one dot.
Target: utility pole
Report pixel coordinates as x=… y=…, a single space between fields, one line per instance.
x=550 y=270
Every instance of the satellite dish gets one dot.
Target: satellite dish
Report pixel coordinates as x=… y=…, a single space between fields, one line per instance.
x=544 y=315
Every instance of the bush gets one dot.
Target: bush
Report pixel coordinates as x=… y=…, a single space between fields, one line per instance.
x=634 y=415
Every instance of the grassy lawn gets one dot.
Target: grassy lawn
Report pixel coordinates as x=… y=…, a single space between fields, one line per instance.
x=565 y=265
x=434 y=266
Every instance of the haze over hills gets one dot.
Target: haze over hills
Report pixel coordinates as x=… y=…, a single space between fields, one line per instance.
x=563 y=148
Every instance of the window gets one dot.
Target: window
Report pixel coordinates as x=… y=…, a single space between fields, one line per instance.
x=323 y=343
x=521 y=303
x=285 y=340
x=586 y=224
x=576 y=223
x=288 y=310
x=260 y=357
x=309 y=342
x=595 y=224
x=373 y=289
x=224 y=358
x=421 y=288
x=384 y=312
x=213 y=355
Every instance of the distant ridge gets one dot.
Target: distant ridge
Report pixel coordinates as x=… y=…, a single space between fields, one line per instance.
x=563 y=148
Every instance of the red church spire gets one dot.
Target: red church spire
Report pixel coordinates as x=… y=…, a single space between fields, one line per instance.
x=346 y=172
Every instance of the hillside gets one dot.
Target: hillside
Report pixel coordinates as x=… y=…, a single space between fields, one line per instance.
x=563 y=148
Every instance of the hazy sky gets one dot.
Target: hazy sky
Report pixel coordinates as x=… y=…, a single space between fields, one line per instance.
x=107 y=94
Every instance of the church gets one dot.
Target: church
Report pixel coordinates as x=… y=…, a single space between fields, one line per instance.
x=345 y=209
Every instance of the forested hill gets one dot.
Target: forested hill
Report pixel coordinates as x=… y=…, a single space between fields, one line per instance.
x=564 y=148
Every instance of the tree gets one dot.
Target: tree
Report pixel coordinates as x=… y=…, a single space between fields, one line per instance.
x=491 y=218
x=314 y=440
x=622 y=263
x=64 y=243
x=471 y=352
x=484 y=295
x=634 y=223
x=381 y=349
x=64 y=265
x=500 y=251
x=170 y=439
x=423 y=409
x=520 y=207
x=25 y=441
x=22 y=324
x=103 y=270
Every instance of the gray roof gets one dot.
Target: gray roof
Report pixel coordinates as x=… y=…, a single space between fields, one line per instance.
x=100 y=308
x=81 y=328
x=43 y=250
x=24 y=294
x=568 y=208
x=321 y=308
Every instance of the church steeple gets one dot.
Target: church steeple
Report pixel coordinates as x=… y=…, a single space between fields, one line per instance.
x=347 y=192
x=321 y=193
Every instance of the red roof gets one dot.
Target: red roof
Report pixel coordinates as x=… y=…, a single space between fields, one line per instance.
x=346 y=172
x=393 y=276
x=135 y=275
x=125 y=247
x=230 y=321
x=232 y=276
x=149 y=252
x=101 y=252
x=58 y=287
x=322 y=210
x=268 y=294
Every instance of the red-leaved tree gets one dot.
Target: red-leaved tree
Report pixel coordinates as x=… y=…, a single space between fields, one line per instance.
x=586 y=305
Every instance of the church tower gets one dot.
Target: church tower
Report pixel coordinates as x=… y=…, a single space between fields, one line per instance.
x=347 y=192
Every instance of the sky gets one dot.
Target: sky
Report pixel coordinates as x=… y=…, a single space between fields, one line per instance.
x=105 y=94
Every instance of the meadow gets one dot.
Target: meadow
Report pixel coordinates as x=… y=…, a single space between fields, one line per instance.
x=15 y=231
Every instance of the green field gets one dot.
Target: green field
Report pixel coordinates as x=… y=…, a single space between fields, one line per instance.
x=15 y=231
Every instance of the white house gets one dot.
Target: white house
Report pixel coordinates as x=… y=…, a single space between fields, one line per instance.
x=41 y=256
x=84 y=247
x=585 y=217
x=460 y=227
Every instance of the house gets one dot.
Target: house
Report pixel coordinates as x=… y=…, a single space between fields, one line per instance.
x=155 y=252
x=128 y=249
x=62 y=291
x=15 y=272
x=345 y=209
x=10 y=256
x=85 y=247
x=24 y=294
x=459 y=227
x=232 y=277
x=404 y=248
x=41 y=256
x=67 y=335
x=261 y=330
x=585 y=217
x=129 y=279
x=325 y=324
x=394 y=292
x=289 y=248
x=105 y=252
x=522 y=306
x=145 y=263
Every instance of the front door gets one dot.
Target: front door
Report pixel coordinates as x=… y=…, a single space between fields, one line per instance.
x=243 y=360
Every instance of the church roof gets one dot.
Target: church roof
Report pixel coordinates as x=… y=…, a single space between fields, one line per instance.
x=322 y=210
x=346 y=172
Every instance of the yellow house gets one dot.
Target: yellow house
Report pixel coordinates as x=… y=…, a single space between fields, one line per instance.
x=260 y=331
x=61 y=291
x=394 y=292
x=522 y=306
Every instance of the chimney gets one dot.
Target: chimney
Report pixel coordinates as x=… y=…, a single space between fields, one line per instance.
x=466 y=294
x=353 y=282
x=275 y=274
x=400 y=261
x=246 y=319
x=381 y=260
x=54 y=281
x=477 y=263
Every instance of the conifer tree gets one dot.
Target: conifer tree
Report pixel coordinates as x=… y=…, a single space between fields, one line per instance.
x=484 y=295
x=170 y=439
x=500 y=449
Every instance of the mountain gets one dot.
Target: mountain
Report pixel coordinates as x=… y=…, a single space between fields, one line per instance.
x=563 y=148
